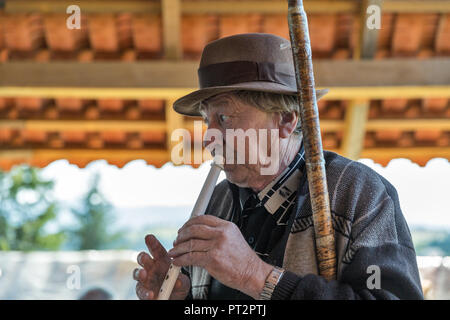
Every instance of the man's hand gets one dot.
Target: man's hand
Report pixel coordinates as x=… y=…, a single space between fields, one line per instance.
x=151 y=277
x=219 y=247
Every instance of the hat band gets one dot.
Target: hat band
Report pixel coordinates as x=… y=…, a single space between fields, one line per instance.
x=228 y=73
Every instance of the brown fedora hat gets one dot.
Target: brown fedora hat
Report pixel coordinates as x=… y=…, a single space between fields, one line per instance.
x=249 y=61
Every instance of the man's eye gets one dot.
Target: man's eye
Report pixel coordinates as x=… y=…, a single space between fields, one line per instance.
x=223 y=117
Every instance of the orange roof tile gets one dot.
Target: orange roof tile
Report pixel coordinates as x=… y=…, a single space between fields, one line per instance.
x=70 y=104
x=394 y=105
x=113 y=137
x=407 y=34
x=64 y=39
x=430 y=136
x=388 y=136
x=147 y=34
x=73 y=136
x=152 y=106
x=23 y=32
x=240 y=23
x=151 y=137
x=29 y=104
x=198 y=30
x=103 y=33
x=33 y=136
x=113 y=105
x=275 y=24
x=442 y=43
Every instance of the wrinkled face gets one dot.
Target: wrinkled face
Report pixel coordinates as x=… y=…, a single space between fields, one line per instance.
x=226 y=114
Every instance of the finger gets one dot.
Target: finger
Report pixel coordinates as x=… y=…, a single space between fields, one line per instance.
x=143 y=293
x=145 y=261
x=197 y=231
x=139 y=274
x=156 y=248
x=206 y=219
x=181 y=289
x=188 y=246
x=178 y=284
x=193 y=258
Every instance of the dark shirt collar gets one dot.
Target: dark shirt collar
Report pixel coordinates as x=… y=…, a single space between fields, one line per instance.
x=244 y=195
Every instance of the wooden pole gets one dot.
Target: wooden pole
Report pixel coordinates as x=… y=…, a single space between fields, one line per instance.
x=315 y=163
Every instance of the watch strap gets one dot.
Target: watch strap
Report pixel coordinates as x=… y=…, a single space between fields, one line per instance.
x=271 y=281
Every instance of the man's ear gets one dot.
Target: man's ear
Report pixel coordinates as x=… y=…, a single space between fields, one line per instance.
x=287 y=123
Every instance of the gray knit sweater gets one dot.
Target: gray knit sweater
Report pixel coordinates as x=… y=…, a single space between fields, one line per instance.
x=370 y=230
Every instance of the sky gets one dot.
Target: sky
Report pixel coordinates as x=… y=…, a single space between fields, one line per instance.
x=424 y=192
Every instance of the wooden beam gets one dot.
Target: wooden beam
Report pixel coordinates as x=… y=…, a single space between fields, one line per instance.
x=86 y=154
x=159 y=155
x=171 y=20
x=173 y=121
x=416 y=6
x=336 y=93
x=387 y=92
x=152 y=74
x=220 y=7
x=265 y=7
x=383 y=73
x=408 y=124
x=86 y=6
x=327 y=125
x=150 y=155
x=312 y=6
x=187 y=7
x=409 y=153
x=363 y=79
x=181 y=75
x=95 y=93
x=168 y=125
x=84 y=125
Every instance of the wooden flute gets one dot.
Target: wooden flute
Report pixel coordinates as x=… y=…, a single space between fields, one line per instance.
x=199 y=209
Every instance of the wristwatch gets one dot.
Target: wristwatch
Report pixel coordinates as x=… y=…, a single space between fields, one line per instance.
x=271 y=281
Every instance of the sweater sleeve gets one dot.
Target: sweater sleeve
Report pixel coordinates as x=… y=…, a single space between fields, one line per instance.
x=397 y=281
x=380 y=245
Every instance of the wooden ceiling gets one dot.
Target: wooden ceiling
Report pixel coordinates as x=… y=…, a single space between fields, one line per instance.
x=105 y=91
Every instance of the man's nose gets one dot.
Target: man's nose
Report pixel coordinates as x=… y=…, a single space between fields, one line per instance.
x=206 y=143
x=210 y=139
x=208 y=134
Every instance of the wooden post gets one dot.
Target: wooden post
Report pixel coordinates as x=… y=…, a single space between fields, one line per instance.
x=355 y=128
x=171 y=20
x=315 y=163
x=357 y=112
x=173 y=121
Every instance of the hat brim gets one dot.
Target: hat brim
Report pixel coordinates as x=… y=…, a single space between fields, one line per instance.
x=189 y=104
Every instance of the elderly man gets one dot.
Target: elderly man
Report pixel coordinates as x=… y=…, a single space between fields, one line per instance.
x=256 y=239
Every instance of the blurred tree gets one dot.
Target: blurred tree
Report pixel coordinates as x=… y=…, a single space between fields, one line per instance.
x=26 y=210
x=94 y=221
